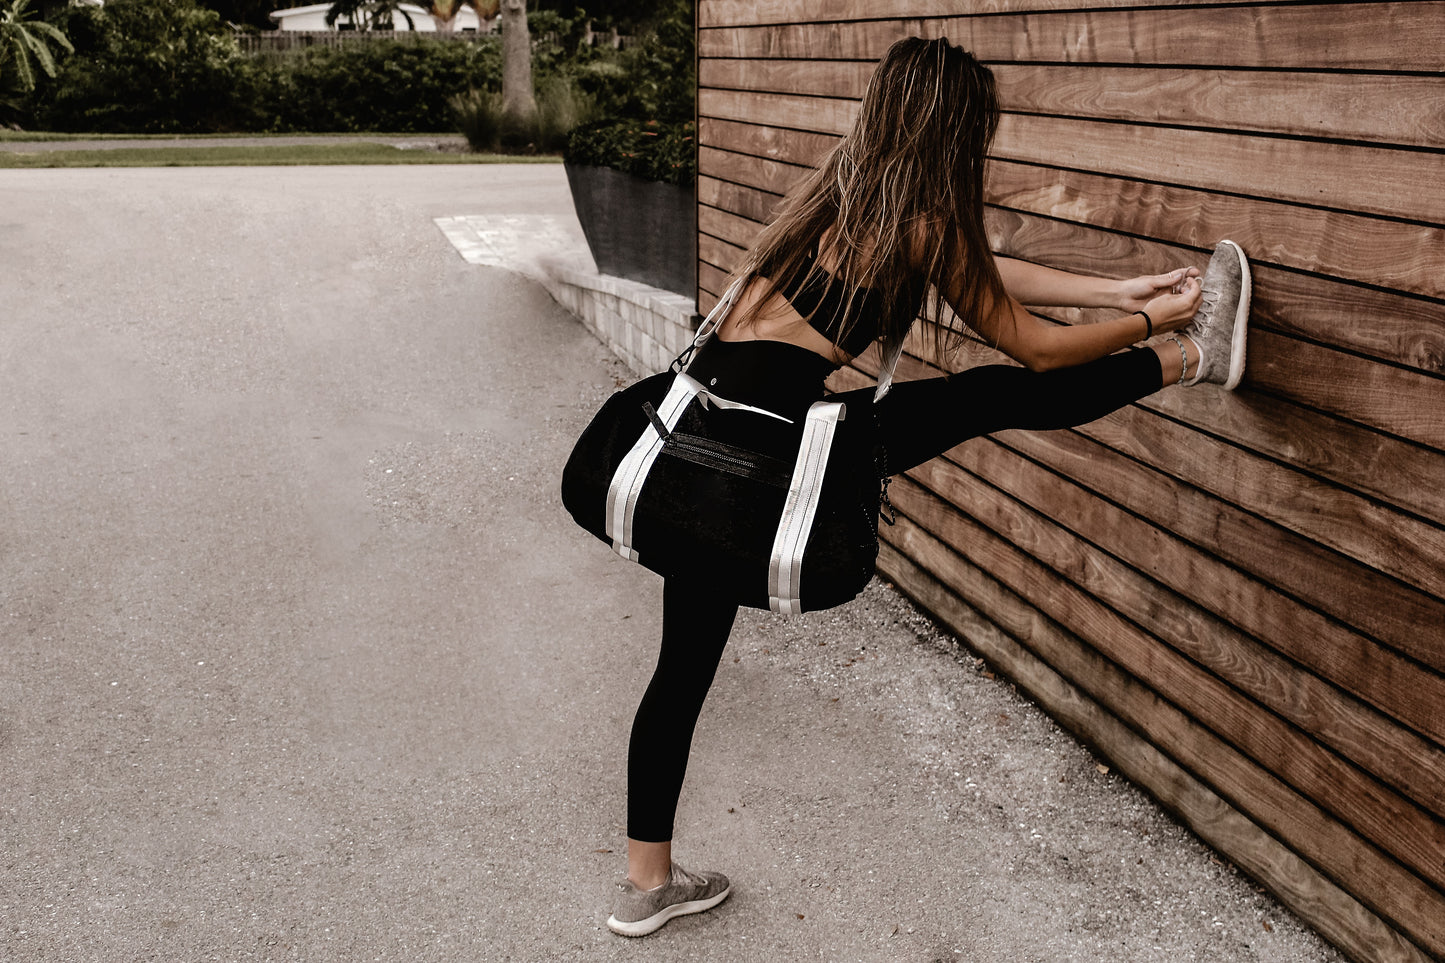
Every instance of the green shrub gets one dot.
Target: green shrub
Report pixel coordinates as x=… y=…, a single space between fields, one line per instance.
x=479 y=116
x=381 y=85
x=151 y=66
x=560 y=108
x=650 y=150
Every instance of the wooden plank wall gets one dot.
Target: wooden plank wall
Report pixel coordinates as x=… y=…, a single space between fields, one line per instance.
x=1237 y=597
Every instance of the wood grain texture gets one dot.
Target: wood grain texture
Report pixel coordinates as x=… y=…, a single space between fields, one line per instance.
x=1391 y=399
x=824 y=115
x=1384 y=109
x=1386 y=37
x=1401 y=183
x=1402 y=330
x=745 y=169
x=1396 y=473
x=1265 y=568
x=938 y=579
x=755 y=205
x=799 y=147
x=1071 y=530
x=1209 y=673
x=1384 y=253
x=717 y=253
x=1279 y=588
x=1408 y=331
x=1404 y=257
x=1400 y=546
x=1349 y=593
x=1348 y=177
x=1379 y=881
x=722 y=13
x=1386 y=326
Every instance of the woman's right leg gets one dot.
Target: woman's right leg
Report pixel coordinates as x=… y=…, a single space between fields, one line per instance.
x=696 y=621
x=919 y=420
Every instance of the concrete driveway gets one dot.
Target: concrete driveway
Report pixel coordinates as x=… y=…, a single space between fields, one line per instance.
x=301 y=659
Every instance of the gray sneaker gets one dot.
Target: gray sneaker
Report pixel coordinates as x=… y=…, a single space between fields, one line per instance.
x=643 y=911
x=1219 y=327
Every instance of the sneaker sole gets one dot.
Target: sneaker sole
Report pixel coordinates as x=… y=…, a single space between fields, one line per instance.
x=659 y=919
x=1241 y=322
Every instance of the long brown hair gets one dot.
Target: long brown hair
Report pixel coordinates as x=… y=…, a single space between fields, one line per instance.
x=902 y=193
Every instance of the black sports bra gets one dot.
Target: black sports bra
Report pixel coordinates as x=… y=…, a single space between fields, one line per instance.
x=824 y=302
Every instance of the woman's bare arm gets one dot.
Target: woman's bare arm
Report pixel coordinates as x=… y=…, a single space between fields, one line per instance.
x=1041 y=345
x=1035 y=284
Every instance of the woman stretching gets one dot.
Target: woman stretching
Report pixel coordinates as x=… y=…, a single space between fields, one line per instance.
x=891 y=219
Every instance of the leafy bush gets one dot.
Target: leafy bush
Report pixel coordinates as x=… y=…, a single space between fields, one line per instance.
x=651 y=150
x=381 y=85
x=560 y=108
x=159 y=66
x=169 y=66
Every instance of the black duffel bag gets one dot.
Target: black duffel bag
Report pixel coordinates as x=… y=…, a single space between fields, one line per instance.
x=660 y=475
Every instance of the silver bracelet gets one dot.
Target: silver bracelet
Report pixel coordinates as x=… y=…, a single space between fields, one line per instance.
x=1183 y=358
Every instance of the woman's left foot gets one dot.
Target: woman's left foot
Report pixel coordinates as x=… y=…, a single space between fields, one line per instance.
x=1218 y=329
x=643 y=911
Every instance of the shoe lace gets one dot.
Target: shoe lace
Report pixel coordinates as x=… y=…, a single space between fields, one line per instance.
x=1209 y=298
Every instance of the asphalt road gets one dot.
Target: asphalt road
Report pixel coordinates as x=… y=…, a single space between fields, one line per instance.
x=301 y=659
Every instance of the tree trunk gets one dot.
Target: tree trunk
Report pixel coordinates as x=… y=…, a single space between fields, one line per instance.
x=518 y=104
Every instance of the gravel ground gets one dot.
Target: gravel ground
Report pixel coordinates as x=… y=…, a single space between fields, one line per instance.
x=301 y=659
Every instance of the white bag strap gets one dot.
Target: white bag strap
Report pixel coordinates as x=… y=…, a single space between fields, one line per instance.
x=785 y=565
x=632 y=472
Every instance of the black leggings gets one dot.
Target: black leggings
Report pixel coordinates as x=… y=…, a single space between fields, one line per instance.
x=916 y=421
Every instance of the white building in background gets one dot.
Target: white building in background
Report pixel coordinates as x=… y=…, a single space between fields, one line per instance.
x=313 y=17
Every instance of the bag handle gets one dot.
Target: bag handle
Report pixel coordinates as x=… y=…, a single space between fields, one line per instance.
x=719 y=314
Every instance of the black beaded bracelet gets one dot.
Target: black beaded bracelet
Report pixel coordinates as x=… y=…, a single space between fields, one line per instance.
x=1149 y=322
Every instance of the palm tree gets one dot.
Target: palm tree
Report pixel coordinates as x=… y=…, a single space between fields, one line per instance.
x=368 y=14
x=25 y=45
x=519 y=106
x=444 y=12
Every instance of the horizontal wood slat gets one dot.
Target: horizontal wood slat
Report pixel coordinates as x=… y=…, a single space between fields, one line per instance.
x=1282 y=169
x=768 y=175
x=1379 y=881
x=1318 y=901
x=1096 y=586
x=1058 y=513
x=1402 y=688
x=1404 y=257
x=1396 y=685
x=1376 y=402
x=1240 y=569
x=1240 y=593
x=1378 y=606
x=1302 y=172
x=1343 y=36
x=799 y=147
x=1317 y=308
x=722 y=13
x=1386 y=109
x=1390 y=399
x=746 y=202
x=1377 y=465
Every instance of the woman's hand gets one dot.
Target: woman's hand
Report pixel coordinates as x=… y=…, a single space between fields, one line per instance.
x=1137 y=293
x=1170 y=311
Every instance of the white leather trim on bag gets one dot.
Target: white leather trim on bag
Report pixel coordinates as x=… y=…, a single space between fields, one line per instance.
x=785 y=567
x=632 y=472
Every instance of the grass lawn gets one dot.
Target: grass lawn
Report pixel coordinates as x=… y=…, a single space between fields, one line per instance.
x=250 y=155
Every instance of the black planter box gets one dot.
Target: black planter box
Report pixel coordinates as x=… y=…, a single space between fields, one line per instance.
x=641 y=230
